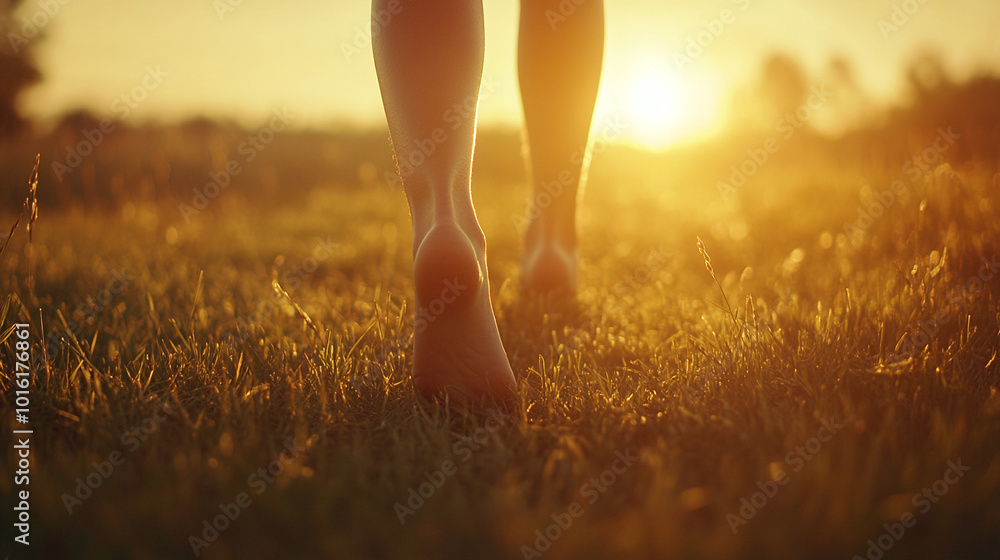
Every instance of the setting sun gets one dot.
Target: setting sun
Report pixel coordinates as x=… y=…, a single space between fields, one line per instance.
x=665 y=108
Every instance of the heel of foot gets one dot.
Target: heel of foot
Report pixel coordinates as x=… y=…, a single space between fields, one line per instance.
x=446 y=267
x=549 y=270
x=457 y=351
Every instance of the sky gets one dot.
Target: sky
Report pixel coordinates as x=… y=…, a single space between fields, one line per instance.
x=244 y=58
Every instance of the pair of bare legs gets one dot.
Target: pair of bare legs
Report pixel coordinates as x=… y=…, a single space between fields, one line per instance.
x=429 y=58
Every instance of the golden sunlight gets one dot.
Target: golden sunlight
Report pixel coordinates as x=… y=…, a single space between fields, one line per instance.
x=665 y=108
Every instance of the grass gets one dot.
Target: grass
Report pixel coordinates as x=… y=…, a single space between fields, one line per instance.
x=171 y=347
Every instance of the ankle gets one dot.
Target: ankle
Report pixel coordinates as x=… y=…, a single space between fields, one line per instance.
x=549 y=229
x=447 y=212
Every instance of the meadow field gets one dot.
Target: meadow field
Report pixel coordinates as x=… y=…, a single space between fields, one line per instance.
x=799 y=364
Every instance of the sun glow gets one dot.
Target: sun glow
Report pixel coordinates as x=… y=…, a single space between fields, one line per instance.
x=664 y=107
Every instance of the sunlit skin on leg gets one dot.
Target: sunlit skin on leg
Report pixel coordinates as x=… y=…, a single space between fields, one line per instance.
x=559 y=68
x=428 y=60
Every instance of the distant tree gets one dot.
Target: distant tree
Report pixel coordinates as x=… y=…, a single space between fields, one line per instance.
x=782 y=85
x=780 y=88
x=927 y=75
x=17 y=67
x=850 y=107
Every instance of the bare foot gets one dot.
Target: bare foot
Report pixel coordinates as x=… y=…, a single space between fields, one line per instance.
x=457 y=349
x=549 y=264
x=548 y=268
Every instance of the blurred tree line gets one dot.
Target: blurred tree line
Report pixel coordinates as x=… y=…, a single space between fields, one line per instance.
x=17 y=68
x=849 y=121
